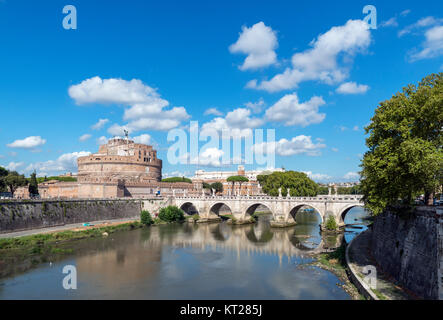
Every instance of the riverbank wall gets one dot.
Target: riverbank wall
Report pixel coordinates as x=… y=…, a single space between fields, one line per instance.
x=27 y=215
x=409 y=247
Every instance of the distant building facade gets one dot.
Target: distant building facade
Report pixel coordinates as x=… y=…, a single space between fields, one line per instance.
x=252 y=187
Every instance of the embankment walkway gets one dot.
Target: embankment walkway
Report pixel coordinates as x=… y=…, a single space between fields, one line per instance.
x=99 y=223
x=358 y=255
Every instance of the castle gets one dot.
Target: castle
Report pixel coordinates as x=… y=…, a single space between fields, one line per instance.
x=120 y=168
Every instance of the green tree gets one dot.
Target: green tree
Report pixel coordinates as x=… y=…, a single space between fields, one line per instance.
x=177 y=179
x=145 y=218
x=217 y=186
x=171 y=214
x=14 y=180
x=298 y=184
x=33 y=185
x=3 y=173
x=331 y=224
x=405 y=156
x=239 y=179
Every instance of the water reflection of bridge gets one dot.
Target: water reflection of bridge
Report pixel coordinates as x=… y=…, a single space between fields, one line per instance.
x=240 y=239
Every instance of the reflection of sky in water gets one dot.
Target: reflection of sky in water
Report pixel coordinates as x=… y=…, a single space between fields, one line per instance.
x=207 y=261
x=356 y=216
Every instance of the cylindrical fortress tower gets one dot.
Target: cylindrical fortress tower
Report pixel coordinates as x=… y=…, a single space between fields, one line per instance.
x=120 y=159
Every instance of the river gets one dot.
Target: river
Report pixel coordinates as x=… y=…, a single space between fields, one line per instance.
x=191 y=261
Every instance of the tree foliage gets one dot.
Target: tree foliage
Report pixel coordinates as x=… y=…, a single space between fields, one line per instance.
x=405 y=156
x=14 y=180
x=171 y=214
x=145 y=218
x=33 y=185
x=217 y=186
x=297 y=183
x=237 y=179
x=177 y=179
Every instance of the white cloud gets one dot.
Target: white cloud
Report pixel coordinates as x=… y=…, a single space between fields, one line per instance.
x=237 y=123
x=354 y=176
x=143 y=139
x=290 y=111
x=102 y=140
x=258 y=43
x=334 y=149
x=256 y=107
x=420 y=24
x=356 y=128
x=390 y=23
x=432 y=46
x=404 y=13
x=352 y=88
x=318 y=177
x=146 y=108
x=28 y=143
x=111 y=91
x=100 y=124
x=212 y=111
x=85 y=137
x=320 y=62
x=65 y=163
x=14 y=166
x=297 y=145
x=210 y=157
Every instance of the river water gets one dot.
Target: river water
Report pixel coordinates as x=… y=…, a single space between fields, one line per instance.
x=191 y=261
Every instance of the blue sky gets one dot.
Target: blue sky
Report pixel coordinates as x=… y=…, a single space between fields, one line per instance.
x=308 y=70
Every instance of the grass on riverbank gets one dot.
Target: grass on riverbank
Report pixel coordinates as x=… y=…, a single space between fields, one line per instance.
x=47 y=239
x=335 y=262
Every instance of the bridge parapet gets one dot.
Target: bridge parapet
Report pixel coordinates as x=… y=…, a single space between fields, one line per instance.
x=281 y=207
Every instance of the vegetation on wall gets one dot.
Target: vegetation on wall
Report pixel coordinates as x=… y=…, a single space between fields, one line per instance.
x=177 y=179
x=405 y=156
x=145 y=218
x=171 y=214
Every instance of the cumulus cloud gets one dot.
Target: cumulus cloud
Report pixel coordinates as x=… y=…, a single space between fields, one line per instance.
x=425 y=22
x=256 y=107
x=14 y=166
x=85 y=137
x=297 y=145
x=143 y=139
x=290 y=111
x=102 y=140
x=318 y=177
x=321 y=61
x=100 y=124
x=352 y=88
x=237 y=123
x=258 y=43
x=354 y=176
x=210 y=157
x=432 y=46
x=213 y=111
x=28 y=143
x=146 y=109
x=65 y=163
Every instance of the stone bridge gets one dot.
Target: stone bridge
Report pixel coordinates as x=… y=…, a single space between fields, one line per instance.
x=282 y=208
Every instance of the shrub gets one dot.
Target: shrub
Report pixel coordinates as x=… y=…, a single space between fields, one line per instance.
x=331 y=224
x=171 y=214
x=145 y=218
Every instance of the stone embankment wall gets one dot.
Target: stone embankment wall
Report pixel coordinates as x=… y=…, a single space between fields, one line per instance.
x=409 y=247
x=26 y=215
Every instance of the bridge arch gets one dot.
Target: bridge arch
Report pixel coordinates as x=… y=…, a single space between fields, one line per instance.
x=252 y=207
x=295 y=209
x=219 y=207
x=345 y=210
x=189 y=208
